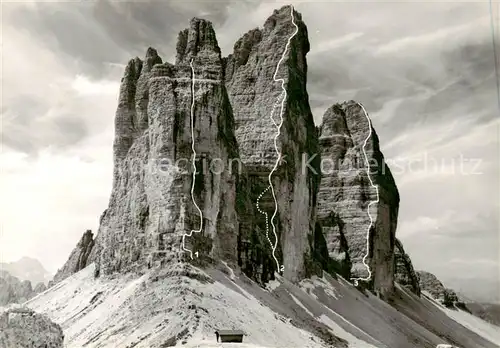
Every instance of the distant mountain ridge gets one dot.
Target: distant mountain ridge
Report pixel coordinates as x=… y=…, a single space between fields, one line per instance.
x=27 y=268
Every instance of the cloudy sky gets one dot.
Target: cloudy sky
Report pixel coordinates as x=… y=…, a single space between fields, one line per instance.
x=425 y=71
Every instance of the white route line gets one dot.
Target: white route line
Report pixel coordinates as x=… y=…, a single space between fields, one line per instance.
x=194 y=166
x=276 y=148
x=356 y=280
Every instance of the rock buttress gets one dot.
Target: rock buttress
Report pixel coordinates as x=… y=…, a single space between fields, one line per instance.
x=256 y=97
x=346 y=192
x=403 y=269
x=150 y=207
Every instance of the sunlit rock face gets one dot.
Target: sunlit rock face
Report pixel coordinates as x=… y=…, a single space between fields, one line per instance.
x=358 y=220
x=263 y=61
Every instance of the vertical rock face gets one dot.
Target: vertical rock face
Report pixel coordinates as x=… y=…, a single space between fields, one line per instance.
x=77 y=259
x=254 y=82
x=346 y=194
x=151 y=205
x=404 y=273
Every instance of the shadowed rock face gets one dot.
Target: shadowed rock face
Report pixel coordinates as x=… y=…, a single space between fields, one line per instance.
x=403 y=269
x=346 y=194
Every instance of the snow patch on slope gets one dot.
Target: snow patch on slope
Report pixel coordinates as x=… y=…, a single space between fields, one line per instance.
x=475 y=324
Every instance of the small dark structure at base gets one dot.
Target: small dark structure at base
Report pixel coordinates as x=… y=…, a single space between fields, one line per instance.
x=229 y=335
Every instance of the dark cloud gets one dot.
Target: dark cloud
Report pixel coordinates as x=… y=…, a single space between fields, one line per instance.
x=89 y=35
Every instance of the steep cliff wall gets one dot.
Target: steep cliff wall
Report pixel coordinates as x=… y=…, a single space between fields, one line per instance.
x=346 y=193
x=151 y=206
x=247 y=130
x=254 y=81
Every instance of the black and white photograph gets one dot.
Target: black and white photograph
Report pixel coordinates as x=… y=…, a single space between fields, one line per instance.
x=250 y=174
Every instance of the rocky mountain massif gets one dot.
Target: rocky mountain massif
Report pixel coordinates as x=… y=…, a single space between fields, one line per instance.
x=27 y=268
x=321 y=220
x=228 y=110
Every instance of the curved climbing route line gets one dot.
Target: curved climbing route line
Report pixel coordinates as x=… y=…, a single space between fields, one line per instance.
x=193 y=80
x=283 y=97
x=356 y=280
